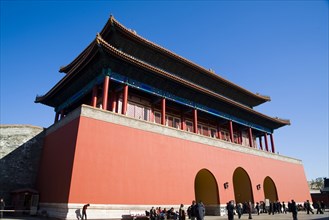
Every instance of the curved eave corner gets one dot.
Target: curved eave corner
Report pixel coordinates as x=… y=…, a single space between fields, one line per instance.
x=43 y=100
x=284 y=122
x=68 y=67
x=38 y=99
x=262 y=99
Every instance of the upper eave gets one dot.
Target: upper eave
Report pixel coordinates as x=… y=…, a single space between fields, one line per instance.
x=112 y=22
x=128 y=58
x=132 y=34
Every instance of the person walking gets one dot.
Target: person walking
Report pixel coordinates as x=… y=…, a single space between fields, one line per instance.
x=230 y=210
x=191 y=211
x=249 y=210
x=84 y=211
x=323 y=207
x=239 y=210
x=257 y=208
x=294 y=209
x=318 y=209
x=284 y=208
x=271 y=209
x=200 y=211
x=153 y=213
x=181 y=213
x=308 y=207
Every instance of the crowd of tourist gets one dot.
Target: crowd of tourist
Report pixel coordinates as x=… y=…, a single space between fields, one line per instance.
x=272 y=208
x=196 y=211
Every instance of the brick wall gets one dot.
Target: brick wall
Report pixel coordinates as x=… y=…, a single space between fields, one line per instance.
x=20 y=152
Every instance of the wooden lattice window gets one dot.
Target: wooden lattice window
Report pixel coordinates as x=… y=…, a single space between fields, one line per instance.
x=138 y=111
x=189 y=126
x=157 y=117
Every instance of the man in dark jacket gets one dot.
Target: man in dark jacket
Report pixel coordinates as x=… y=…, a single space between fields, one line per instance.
x=308 y=207
x=294 y=210
x=191 y=211
x=200 y=211
x=230 y=210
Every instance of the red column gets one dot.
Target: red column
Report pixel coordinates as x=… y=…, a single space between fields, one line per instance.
x=125 y=99
x=105 y=92
x=56 y=117
x=260 y=143
x=251 y=139
x=231 y=130
x=62 y=114
x=94 y=96
x=152 y=114
x=266 y=143
x=195 y=120
x=163 y=111
x=219 y=132
x=114 y=101
x=183 y=125
x=272 y=143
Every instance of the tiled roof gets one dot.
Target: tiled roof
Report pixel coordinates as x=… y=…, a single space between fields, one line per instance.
x=84 y=58
x=134 y=35
x=111 y=49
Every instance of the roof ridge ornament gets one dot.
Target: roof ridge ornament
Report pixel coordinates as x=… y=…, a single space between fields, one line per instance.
x=111 y=18
x=133 y=31
x=98 y=38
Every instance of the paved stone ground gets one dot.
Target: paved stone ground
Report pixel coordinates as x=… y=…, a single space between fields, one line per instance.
x=288 y=216
x=301 y=216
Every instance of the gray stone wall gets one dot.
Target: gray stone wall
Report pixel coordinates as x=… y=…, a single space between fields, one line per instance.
x=20 y=152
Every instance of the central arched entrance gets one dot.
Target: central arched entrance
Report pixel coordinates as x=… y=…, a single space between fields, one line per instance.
x=206 y=190
x=270 y=190
x=242 y=186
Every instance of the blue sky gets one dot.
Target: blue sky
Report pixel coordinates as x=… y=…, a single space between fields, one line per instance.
x=275 y=48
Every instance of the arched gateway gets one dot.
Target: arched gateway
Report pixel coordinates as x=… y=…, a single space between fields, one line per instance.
x=270 y=190
x=242 y=186
x=206 y=190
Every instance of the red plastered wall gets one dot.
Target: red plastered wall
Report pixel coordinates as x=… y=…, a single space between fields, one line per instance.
x=56 y=164
x=115 y=164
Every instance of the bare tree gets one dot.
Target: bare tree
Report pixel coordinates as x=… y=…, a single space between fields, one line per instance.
x=318 y=183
